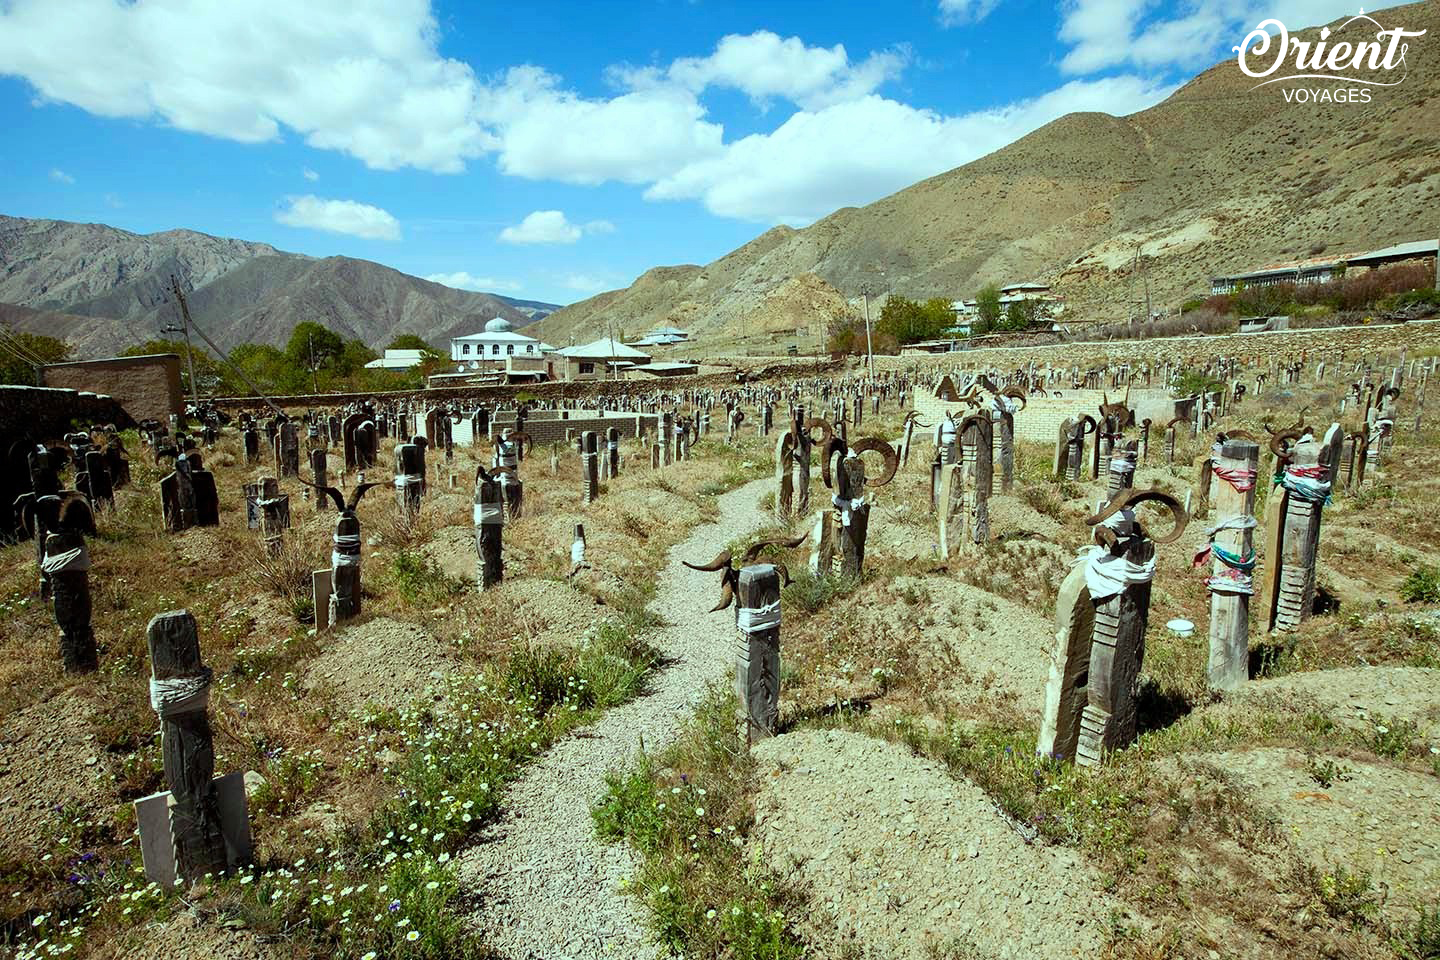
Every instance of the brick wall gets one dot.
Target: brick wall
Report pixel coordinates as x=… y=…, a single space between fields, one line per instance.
x=145 y=386
x=1040 y=420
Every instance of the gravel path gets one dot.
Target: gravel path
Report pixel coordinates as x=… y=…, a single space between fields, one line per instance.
x=549 y=888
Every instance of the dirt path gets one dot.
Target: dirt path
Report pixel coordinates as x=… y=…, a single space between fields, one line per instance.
x=905 y=861
x=548 y=887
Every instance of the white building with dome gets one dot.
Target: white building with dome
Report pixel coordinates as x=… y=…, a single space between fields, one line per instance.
x=495 y=345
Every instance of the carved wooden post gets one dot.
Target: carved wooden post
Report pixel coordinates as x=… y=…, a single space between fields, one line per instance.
x=980 y=475
x=590 y=465
x=1298 y=501
x=67 y=566
x=1004 y=419
x=489 y=528
x=800 y=462
x=612 y=453
x=1169 y=444
x=1231 y=584
x=757 y=666
x=852 y=515
x=667 y=438
x=345 y=566
x=905 y=443
x=1110 y=720
x=1121 y=470
x=1059 y=469
x=287 y=450
x=251 y=439
x=274 y=521
x=320 y=468
x=950 y=508
x=946 y=439
x=409 y=479
x=1066 y=693
x=180 y=694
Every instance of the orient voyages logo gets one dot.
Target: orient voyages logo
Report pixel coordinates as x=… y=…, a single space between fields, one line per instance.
x=1269 y=50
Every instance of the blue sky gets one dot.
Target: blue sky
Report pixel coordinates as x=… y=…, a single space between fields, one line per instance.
x=551 y=150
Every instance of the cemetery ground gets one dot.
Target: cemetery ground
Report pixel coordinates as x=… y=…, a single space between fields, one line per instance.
x=902 y=811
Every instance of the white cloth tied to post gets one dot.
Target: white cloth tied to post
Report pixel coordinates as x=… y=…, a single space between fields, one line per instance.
x=755 y=619
x=67 y=561
x=847 y=508
x=489 y=513
x=577 y=553
x=346 y=552
x=174 y=696
x=1121 y=465
x=403 y=480
x=1105 y=573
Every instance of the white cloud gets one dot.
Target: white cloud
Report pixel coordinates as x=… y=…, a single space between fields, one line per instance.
x=309 y=174
x=544 y=132
x=364 y=78
x=954 y=12
x=551 y=227
x=1110 y=33
x=585 y=283
x=339 y=216
x=60 y=176
x=845 y=154
x=763 y=65
x=462 y=280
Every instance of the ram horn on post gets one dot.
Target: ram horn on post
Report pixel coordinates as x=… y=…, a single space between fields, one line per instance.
x=1131 y=498
x=887 y=452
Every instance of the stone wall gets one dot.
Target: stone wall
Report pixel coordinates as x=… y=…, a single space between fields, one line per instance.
x=147 y=387
x=557 y=426
x=46 y=414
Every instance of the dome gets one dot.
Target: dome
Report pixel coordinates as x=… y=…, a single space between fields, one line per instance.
x=498 y=325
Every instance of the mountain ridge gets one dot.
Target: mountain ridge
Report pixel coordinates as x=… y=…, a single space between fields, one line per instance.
x=103 y=289
x=1218 y=177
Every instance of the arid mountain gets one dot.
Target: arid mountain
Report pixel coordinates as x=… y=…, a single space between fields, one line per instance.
x=1221 y=177
x=104 y=289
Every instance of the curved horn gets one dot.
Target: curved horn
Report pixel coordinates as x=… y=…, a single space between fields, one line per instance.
x=892 y=459
x=360 y=491
x=1236 y=435
x=330 y=491
x=1132 y=498
x=836 y=445
x=727 y=594
x=721 y=562
x=826 y=430
x=1015 y=393
x=752 y=554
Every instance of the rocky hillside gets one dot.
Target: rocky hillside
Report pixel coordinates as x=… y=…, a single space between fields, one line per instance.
x=1218 y=178
x=103 y=289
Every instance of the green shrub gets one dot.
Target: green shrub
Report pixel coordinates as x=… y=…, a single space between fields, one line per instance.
x=1422 y=585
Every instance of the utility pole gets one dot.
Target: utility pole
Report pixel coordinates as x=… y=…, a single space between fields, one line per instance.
x=314 y=370
x=869 y=343
x=189 y=351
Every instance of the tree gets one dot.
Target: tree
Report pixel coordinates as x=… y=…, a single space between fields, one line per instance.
x=312 y=345
x=18 y=351
x=353 y=356
x=410 y=341
x=1019 y=314
x=987 y=309
x=908 y=321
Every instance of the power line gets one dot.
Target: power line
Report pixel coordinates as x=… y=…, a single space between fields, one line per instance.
x=18 y=347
